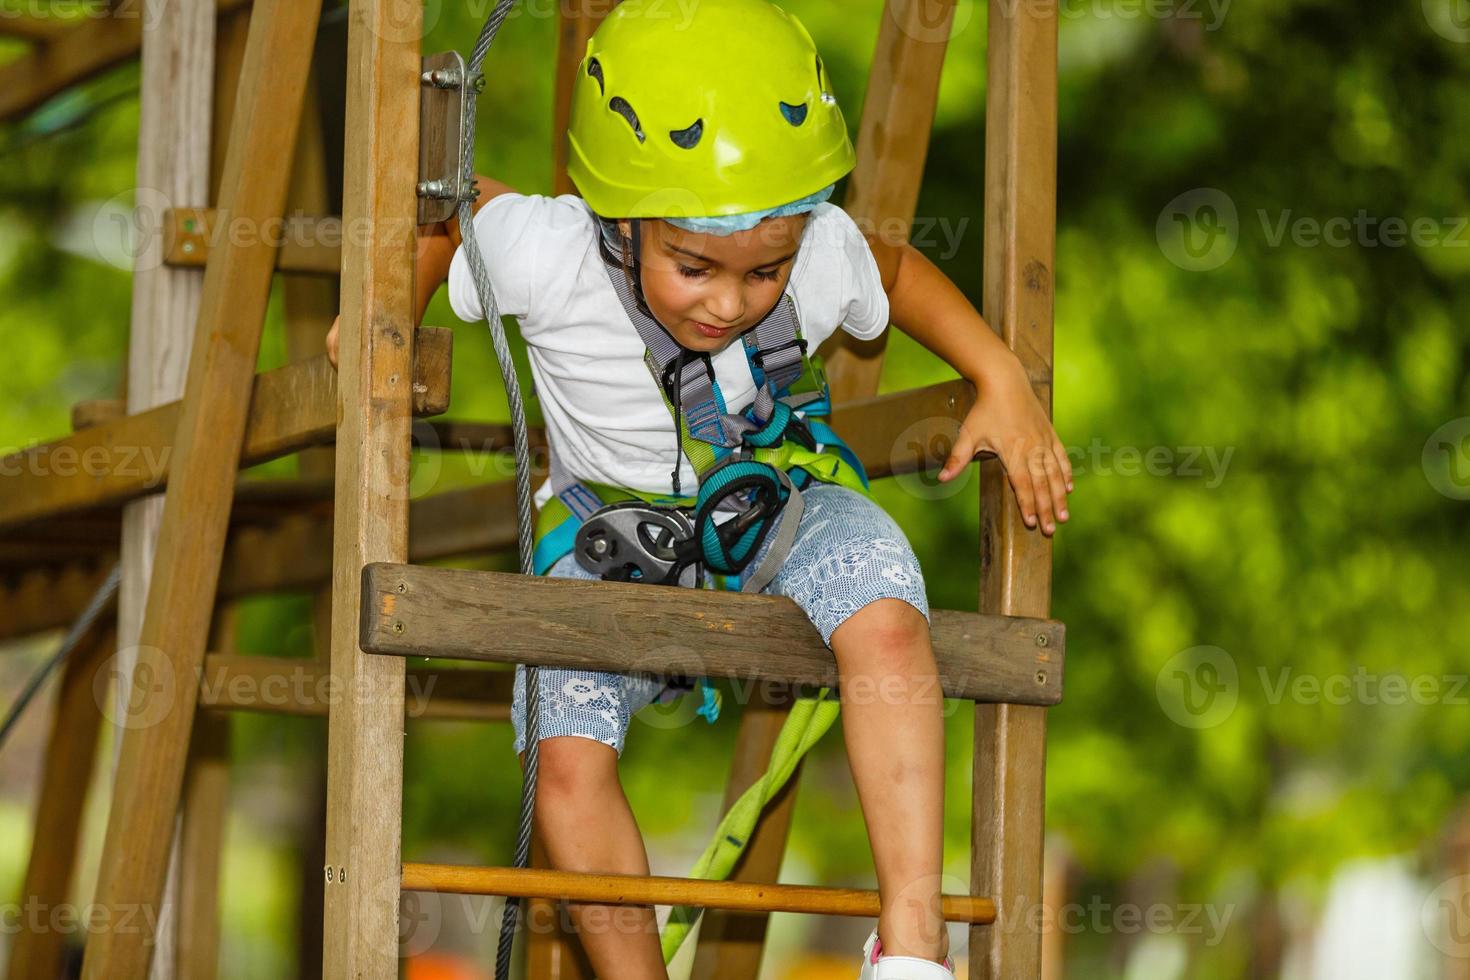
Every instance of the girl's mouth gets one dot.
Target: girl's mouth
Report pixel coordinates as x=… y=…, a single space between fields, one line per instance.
x=711 y=331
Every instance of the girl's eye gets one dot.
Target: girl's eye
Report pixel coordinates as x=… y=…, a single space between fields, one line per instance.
x=688 y=272
x=771 y=276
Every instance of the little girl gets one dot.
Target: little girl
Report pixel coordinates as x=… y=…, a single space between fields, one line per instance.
x=705 y=148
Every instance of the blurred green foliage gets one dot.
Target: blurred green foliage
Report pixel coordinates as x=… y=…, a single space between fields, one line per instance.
x=1255 y=471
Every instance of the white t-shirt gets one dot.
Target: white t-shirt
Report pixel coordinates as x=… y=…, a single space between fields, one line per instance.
x=605 y=418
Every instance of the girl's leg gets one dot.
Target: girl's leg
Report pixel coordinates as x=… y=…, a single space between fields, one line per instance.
x=893 y=724
x=854 y=574
x=586 y=824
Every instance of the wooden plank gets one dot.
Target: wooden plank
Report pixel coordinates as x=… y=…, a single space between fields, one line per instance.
x=310 y=306
x=618 y=889
x=309 y=244
x=732 y=944
x=207 y=448
x=1009 y=783
x=365 y=735
x=71 y=750
x=892 y=144
x=175 y=119
x=423 y=611
x=290 y=408
x=82 y=51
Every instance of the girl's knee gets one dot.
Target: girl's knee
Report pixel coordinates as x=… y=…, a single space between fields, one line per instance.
x=573 y=767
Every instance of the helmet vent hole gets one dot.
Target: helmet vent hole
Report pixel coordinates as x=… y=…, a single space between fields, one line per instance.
x=688 y=138
x=795 y=114
x=594 y=68
x=620 y=105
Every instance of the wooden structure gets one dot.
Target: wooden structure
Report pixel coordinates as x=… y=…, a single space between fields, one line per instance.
x=219 y=538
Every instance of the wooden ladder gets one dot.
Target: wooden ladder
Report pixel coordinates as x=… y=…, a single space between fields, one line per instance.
x=1007 y=657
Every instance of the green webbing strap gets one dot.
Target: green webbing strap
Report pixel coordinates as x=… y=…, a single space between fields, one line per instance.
x=804 y=727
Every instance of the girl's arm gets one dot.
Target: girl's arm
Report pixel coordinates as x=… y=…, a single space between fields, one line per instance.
x=1007 y=418
x=436 y=246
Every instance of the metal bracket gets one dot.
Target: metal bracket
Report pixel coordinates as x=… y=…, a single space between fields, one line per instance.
x=444 y=103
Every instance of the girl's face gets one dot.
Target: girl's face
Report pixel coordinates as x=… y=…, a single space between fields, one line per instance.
x=708 y=289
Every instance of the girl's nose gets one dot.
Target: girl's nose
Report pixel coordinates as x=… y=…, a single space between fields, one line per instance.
x=728 y=305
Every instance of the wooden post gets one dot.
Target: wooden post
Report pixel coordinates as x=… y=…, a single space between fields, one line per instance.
x=365 y=727
x=70 y=752
x=191 y=537
x=173 y=169
x=311 y=305
x=1015 y=563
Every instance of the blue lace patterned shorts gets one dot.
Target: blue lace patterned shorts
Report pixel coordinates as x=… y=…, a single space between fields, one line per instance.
x=847 y=553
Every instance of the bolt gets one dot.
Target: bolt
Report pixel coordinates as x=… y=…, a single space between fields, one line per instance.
x=1041 y=677
x=398 y=627
x=1042 y=640
x=402 y=588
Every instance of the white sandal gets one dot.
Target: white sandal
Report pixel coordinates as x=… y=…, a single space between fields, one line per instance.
x=876 y=966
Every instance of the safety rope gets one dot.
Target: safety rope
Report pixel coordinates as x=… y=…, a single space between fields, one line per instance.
x=104 y=595
x=524 y=522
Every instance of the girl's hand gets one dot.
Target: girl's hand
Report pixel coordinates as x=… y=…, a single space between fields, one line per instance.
x=1008 y=421
x=332 y=342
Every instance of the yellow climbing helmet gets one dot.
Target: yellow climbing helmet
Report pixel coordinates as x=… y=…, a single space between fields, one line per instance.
x=721 y=108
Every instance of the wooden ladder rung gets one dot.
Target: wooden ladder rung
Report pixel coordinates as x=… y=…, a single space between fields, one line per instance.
x=424 y=611
x=619 y=889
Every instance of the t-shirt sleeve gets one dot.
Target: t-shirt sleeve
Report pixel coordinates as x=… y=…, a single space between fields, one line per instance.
x=863 y=304
x=510 y=230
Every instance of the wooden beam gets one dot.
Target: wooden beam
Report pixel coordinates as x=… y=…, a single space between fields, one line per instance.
x=619 y=889
x=175 y=119
x=207 y=448
x=79 y=52
x=71 y=752
x=365 y=735
x=892 y=144
x=309 y=244
x=1009 y=782
x=290 y=408
x=423 y=611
